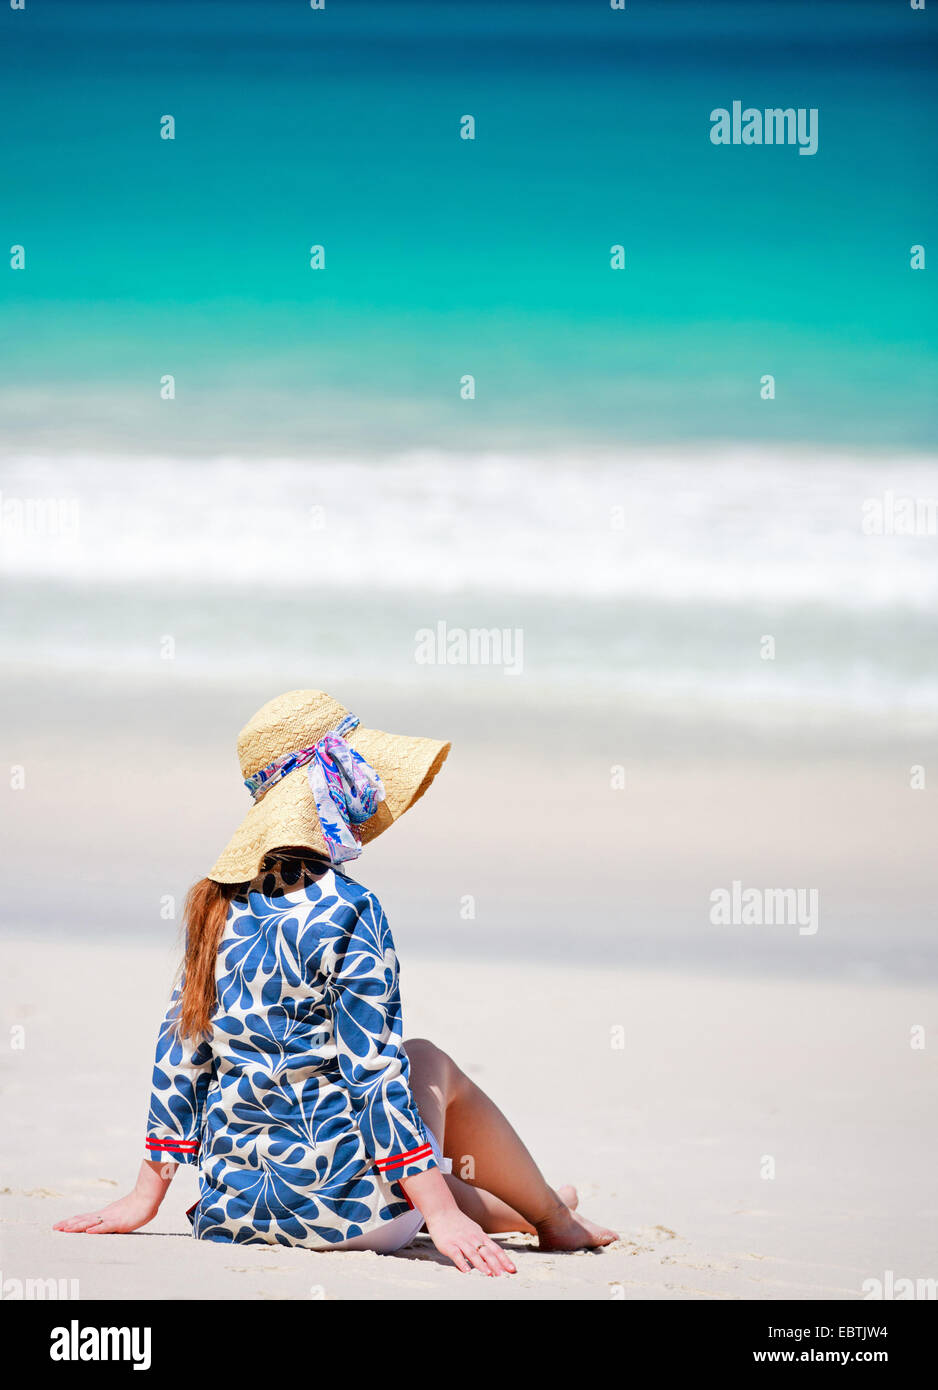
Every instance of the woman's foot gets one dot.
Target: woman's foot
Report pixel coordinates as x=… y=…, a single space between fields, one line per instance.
x=569 y=1196
x=565 y=1229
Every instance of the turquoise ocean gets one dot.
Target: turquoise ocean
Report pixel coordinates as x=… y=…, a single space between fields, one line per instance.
x=444 y=256
x=603 y=399
x=322 y=486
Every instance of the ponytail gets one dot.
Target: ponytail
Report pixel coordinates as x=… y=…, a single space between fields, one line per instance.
x=205 y=914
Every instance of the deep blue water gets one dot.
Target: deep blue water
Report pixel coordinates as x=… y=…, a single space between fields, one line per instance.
x=446 y=257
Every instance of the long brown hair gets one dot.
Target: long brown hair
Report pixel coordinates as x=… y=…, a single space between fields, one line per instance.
x=204 y=918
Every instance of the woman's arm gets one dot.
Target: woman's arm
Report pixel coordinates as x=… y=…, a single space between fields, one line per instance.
x=182 y=1073
x=130 y=1212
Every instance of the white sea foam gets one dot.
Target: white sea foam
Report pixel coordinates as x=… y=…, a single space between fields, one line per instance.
x=716 y=525
x=652 y=573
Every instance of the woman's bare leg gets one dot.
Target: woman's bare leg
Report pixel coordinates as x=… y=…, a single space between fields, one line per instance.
x=431 y=1073
x=493 y=1215
x=496 y=1181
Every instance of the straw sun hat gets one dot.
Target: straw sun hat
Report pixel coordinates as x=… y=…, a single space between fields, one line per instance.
x=285 y=814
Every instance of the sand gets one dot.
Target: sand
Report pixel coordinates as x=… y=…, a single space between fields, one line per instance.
x=668 y=1137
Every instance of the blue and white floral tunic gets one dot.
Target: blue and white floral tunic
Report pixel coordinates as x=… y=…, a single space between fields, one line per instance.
x=297 y=1109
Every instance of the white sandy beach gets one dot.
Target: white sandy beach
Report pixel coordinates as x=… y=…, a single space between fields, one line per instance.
x=665 y=1137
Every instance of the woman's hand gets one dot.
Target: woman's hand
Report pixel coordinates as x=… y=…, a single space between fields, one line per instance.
x=453 y=1233
x=464 y=1242
x=127 y=1213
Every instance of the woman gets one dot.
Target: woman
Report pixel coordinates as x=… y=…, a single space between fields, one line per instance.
x=280 y=1069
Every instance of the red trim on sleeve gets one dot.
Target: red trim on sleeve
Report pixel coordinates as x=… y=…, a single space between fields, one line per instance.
x=402 y=1160
x=189 y=1146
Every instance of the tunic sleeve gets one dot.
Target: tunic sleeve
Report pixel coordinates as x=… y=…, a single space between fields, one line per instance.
x=373 y=1064
x=182 y=1073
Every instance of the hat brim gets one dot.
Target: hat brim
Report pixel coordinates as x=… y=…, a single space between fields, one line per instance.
x=286 y=814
